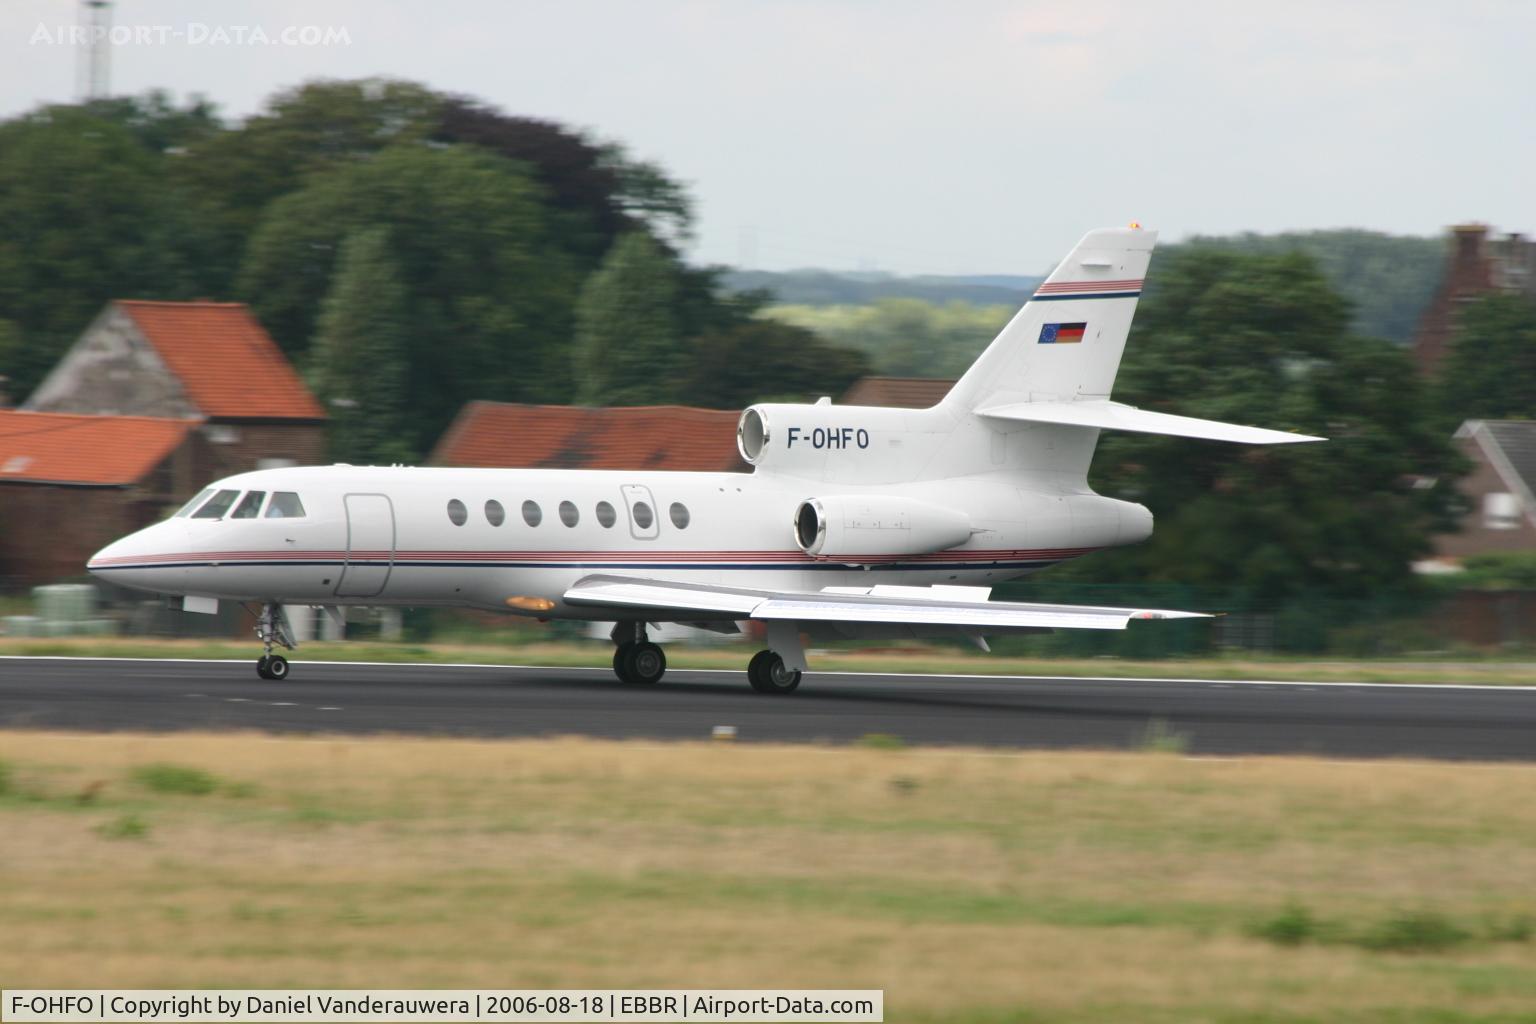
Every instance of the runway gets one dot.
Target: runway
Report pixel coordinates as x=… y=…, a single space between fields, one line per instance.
x=1212 y=718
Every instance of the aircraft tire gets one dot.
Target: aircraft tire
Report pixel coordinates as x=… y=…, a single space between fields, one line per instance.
x=261 y=666
x=646 y=664
x=768 y=674
x=621 y=660
x=277 y=668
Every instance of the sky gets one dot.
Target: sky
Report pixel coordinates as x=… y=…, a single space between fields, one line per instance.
x=919 y=136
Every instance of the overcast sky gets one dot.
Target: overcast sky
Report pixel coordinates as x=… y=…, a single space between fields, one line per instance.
x=936 y=137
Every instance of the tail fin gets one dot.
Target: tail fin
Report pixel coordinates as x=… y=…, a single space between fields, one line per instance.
x=1065 y=344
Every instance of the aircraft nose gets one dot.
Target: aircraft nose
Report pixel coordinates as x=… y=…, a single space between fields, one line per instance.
x=139 y=560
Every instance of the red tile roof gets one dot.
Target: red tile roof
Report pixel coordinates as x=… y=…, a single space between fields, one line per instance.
x=50 y=447
x=225 y=360
x=897 y=392
x=671 y=437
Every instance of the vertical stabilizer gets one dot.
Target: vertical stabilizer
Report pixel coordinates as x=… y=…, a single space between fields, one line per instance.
x=1065 y=344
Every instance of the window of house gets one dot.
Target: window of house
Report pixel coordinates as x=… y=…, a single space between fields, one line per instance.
x=532 y=514
x=458 y=515
x=201 y=496
x=216 y=506
x=1501 y=511
x=569 y=514
x=285 y=505
x=678 y=512
x=606 y=515
x=494 y=513
x=249 y=505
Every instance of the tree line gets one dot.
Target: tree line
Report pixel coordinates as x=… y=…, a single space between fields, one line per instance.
x=410 y=250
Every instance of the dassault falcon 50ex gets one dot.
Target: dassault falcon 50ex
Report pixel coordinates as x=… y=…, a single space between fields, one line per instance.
x=855 y=522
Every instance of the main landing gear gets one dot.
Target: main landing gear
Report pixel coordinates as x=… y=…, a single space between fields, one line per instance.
x=768 y=673
x=636 y=659
x=272 y=628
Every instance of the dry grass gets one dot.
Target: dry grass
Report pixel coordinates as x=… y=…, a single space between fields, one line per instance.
x=970 y=886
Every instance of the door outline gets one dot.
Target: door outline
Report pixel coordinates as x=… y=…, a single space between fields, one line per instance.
x=639 y=492
x=360 y=573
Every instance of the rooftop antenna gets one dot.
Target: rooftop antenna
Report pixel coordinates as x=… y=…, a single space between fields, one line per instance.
x=95 y=59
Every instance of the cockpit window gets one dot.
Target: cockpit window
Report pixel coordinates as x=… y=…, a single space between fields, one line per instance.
x=186 y=509
x=285 y=505
x=216 y=506
x=249 y=505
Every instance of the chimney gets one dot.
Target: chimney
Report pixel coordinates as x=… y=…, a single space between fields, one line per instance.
x=1469 y=241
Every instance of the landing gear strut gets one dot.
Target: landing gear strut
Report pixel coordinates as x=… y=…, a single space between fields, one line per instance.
x=272 y=628
x=636 y=659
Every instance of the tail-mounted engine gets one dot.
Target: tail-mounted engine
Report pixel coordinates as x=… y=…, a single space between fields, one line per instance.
x=852 y=528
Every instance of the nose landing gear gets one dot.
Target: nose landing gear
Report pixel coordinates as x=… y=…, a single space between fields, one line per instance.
x=273 y=628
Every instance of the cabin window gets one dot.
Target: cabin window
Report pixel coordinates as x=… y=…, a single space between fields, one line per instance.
x=458 y=515
x=532 y=514
x=217 y=505
x=201 y=496
x=249 y=505
x=285 y=505
x=494 y=513
x=606 y=515
x=679 y=515
x=569 y=514
x=643 y=515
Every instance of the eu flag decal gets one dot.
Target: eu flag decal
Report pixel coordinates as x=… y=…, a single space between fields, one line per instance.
x=1062 y=334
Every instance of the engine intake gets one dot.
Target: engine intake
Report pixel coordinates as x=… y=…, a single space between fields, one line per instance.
x=851 y=527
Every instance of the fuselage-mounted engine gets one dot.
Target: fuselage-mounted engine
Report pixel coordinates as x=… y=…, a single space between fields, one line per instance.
x=858 y=529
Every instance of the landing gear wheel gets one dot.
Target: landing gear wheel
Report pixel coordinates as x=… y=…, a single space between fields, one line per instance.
x=620 y=660
x=277 y=667
x=768 y=674
x=644 y=663
x=261 y=665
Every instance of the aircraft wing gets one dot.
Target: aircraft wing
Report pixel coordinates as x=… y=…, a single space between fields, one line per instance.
x=967 y=607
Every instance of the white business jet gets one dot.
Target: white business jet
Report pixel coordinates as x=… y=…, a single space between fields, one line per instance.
x=856 y=521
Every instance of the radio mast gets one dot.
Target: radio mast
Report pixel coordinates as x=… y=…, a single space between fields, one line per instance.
x=96 y=48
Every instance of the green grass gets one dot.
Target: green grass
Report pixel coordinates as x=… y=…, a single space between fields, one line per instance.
x=175 y=778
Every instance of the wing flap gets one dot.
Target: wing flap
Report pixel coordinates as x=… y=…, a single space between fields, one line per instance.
x=1116 y=416
x=899 y=605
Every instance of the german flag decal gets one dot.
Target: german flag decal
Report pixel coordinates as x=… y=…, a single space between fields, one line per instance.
x=1062 y=334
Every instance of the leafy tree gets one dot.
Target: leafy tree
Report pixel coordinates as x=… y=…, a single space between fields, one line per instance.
x=761 y=360
x=88 y=216
x=1490 y=372
x=157 y=122
x=627 y=349
x=487 y=300
x=1262 y=339
x=358 y=357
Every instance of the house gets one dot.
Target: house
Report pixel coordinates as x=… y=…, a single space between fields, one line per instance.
x=1502 y=510
x=71 y=484
x=896 y=392
x=209 y=361
x=1476 y=265
x=666 y=437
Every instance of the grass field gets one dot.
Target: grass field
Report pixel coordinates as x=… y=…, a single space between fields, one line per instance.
x=1487 y=671
x=970 y=886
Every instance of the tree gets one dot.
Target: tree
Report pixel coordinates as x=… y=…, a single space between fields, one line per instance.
x=762 y=360
x=627 y=349
x=88 y=216
x=358 y=356
x=1263 y=340
x=487 y=298
x=1490 y=372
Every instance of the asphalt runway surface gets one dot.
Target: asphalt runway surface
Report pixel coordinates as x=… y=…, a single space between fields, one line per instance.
x=1212 y=718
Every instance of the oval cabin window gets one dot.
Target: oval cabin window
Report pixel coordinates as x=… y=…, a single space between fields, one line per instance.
x=458 y=515
x=569 y=514
x=532 y=514
x=494 y=513
x=606 y=515
x=678 y=512
x=644 y=517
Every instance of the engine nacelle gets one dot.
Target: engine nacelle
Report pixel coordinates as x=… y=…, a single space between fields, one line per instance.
x=861 y=445
x=849 y=527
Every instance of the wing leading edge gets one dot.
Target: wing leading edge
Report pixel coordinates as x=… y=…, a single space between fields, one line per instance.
x=914 y=606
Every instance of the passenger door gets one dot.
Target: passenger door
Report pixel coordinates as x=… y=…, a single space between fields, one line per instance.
x=370 y=545
x=641 y=512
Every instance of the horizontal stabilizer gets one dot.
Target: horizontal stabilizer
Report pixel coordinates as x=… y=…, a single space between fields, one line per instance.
x=912 y=606
x=1115 y=416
